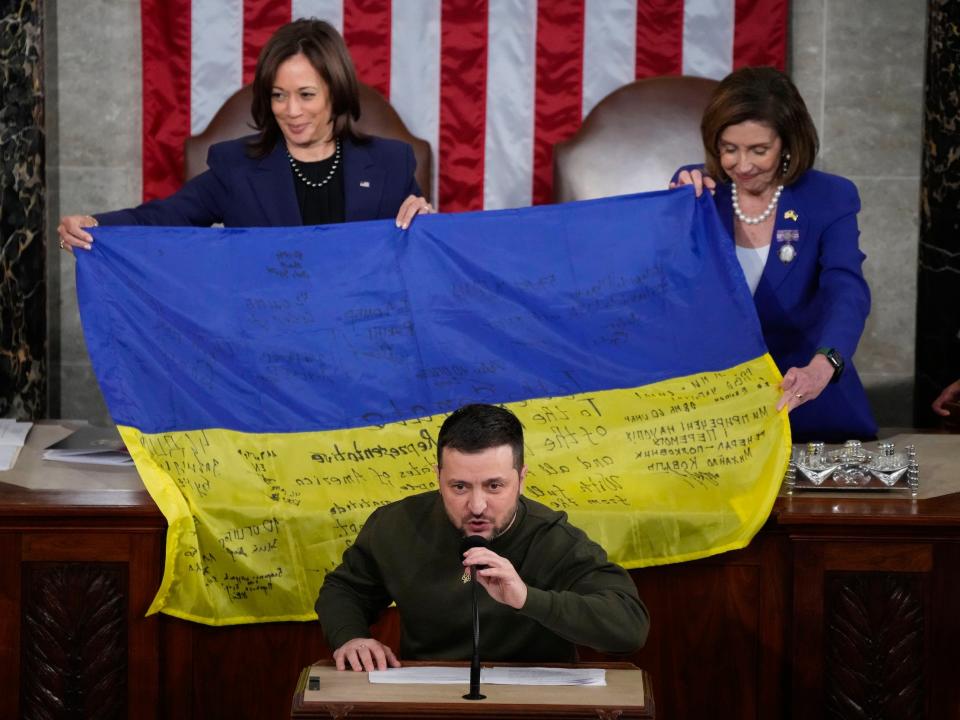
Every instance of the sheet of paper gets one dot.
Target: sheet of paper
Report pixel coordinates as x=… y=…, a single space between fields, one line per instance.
x=13 y=432
x=90 y=445
x=8 y=456
x=13 y=435
x=543 y=676
x=437 y=675
x=100 y=458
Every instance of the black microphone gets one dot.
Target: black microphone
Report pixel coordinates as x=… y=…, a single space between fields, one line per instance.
x=472 y=541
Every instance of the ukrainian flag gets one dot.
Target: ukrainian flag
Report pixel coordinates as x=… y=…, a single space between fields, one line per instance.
x=275 y=385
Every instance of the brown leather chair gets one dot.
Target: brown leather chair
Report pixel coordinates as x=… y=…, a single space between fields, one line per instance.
x=377 y=117
x=633 y=140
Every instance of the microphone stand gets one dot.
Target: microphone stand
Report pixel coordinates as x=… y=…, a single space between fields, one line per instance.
x=474 y=693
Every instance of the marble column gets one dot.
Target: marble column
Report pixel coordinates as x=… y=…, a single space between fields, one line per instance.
x=938 y=293
x=23 y=324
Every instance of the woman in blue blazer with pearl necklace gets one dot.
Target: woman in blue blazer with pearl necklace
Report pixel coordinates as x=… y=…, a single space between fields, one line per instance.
x=305 y=166
x=796 y=237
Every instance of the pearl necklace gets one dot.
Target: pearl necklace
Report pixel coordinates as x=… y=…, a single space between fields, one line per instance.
x=320 y=183
x=762 y=216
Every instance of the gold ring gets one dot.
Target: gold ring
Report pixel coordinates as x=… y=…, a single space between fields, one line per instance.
x=62 y=246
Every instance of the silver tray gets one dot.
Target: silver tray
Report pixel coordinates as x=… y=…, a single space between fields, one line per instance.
x=853 y=467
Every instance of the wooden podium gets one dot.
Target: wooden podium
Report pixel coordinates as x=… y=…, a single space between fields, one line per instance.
x=325 y=692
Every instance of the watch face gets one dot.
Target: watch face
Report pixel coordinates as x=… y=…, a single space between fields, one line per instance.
x=834 y=358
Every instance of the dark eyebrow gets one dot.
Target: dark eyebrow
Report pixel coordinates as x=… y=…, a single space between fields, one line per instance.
x=749 y=147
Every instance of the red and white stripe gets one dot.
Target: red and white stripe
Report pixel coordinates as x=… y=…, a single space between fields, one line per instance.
x=490 y=84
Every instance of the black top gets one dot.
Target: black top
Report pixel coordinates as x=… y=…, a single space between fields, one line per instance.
x=406 y=553
x=323 y=205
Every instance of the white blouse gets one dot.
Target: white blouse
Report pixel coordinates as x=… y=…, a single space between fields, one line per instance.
x=752 y=261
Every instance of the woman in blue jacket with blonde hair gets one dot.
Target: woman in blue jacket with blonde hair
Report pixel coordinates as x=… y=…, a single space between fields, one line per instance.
x=796 y=238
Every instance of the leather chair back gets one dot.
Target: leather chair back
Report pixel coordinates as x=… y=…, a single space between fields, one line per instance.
x=633 y=140
x=377 y=117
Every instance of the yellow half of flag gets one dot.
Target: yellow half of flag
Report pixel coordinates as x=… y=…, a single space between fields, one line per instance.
x=673 y=471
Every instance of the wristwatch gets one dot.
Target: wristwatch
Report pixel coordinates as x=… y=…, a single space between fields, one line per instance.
x=835 y=359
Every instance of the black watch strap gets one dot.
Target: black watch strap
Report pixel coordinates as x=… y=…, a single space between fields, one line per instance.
x=835 y=359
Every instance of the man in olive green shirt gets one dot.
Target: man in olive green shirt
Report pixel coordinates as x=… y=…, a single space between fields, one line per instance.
x=548 y=586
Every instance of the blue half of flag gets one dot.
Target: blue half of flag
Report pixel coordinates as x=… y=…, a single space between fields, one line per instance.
x=315 y=328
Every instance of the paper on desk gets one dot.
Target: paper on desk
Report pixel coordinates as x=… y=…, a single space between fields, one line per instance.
x=8 y=456
x=13 y=435
x=13 y=432
x=100 y=458
x=543 y=676
x=431 y=675
x=90 y=445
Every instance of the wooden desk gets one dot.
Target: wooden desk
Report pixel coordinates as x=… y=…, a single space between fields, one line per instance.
x=627 y=695
x=757 y=633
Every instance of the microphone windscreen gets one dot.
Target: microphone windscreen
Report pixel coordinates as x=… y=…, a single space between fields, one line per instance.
x=472 y=541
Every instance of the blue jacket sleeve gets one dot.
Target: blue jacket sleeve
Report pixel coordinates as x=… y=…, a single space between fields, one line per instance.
x=198 y=203
x=845 y=296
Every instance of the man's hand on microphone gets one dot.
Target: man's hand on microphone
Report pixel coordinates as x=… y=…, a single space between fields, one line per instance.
x=364 y=654
x=497 y=576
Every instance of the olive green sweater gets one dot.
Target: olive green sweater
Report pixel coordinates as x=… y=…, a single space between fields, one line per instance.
x=408 y=553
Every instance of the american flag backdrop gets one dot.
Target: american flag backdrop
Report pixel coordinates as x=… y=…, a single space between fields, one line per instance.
x=490 y=84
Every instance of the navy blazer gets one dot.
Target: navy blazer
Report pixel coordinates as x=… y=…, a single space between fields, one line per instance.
x=818 y=300
x=240 y=191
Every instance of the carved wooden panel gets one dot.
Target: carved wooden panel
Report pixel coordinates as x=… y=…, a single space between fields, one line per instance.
x=716 y=624
x=74 y=640
x=874 y=645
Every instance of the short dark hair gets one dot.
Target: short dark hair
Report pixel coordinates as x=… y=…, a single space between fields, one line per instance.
x=323 y=46
x=477 y=427
x=766 y=95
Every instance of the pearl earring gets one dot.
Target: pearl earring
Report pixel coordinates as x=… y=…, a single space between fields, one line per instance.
x=786 y=164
